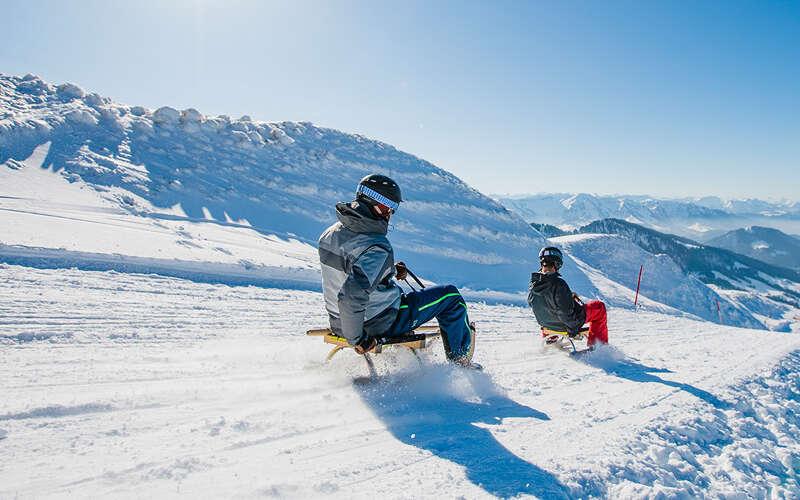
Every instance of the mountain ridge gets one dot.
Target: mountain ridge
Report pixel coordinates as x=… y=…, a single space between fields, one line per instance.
x=697 y=218
x=763 y=243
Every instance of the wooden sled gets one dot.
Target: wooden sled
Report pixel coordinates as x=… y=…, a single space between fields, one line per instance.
x=562 y=339
x=420 y=338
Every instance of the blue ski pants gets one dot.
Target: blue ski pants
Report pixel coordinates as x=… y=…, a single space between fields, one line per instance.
x=446 y=305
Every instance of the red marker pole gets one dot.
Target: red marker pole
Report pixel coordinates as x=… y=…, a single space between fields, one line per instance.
x=718 y=311
x=637 y=287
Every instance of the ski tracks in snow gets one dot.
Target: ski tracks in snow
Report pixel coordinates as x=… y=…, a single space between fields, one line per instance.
x=129 y=385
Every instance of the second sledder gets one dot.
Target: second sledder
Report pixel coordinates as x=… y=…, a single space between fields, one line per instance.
x=362 y=299
x=558 y=309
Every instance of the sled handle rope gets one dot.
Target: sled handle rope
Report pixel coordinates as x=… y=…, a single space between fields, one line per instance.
x=415 y=279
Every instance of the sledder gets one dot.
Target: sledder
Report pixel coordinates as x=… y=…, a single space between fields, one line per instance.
x=558 y=310
x=363 y=301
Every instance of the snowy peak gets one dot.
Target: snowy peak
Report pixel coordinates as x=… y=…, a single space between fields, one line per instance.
x=277 y=178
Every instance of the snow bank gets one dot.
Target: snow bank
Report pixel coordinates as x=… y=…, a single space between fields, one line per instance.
x=744 y=448
x=70 y=91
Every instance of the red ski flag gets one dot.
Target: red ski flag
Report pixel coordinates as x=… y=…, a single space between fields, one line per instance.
x=635 y=300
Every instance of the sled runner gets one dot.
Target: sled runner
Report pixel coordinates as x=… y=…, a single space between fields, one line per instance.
x=554 y=338
x=419 y=338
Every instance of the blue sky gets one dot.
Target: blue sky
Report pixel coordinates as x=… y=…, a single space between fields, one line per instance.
x=673 y=98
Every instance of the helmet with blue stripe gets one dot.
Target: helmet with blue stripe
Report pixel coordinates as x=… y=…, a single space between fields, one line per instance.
x=376 y=189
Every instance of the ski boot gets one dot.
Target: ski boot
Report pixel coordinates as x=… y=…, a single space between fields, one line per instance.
x=465 y=361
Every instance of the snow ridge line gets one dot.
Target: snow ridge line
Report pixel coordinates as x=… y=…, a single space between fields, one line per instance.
x=243 y=274
x=747 y=445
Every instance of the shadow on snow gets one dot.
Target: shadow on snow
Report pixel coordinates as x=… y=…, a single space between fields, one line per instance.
x=446 y=412
x=613 y=362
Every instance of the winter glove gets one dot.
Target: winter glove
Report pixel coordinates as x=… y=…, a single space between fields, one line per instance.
x=366 y=345
x=401 y=270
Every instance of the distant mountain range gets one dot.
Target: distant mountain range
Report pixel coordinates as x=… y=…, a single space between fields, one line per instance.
x=713 y=265
x=762 y=243
x=697 y=218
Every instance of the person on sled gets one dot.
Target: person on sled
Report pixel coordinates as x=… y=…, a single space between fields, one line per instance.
x=557 y=308
x=362 y=299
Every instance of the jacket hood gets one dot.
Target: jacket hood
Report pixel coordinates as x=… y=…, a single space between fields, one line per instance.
x=357 y=217
x=542 y=281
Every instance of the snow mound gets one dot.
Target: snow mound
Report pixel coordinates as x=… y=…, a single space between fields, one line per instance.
x=70 y=91
x=166 y=116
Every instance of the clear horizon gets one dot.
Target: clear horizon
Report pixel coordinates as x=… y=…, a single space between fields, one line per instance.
x=668 y=99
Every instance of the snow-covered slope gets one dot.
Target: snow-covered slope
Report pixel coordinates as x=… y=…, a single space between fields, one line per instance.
x=154 y=387
x=697 y=218
x=620 y=260
x=769 y=293
x=762 y=243
x=195 y=179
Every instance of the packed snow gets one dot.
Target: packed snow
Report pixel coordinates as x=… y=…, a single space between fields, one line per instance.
x=123 y=385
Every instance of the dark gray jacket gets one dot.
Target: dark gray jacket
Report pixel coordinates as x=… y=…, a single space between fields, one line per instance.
x=552 y=303
x=357 y=269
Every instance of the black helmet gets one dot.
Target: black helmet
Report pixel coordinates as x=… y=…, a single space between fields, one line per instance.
x=551 y=256
x=376 y=188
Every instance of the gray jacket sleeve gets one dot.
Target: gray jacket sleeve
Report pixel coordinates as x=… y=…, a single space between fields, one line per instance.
x=365 y=274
